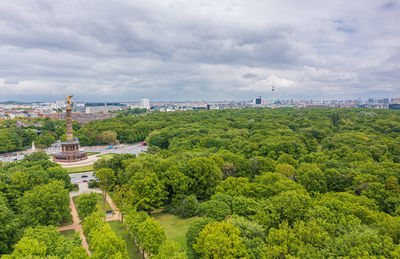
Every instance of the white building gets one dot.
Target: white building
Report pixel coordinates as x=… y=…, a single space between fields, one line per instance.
x=60 y=104
x=145 y=103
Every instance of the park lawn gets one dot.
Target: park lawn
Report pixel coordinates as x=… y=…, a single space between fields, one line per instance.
x=79 y=169
x=106 y=156
x=99 y=204
x=67 y=233
x=119 y=230
x=175 y=227
x=92 y=153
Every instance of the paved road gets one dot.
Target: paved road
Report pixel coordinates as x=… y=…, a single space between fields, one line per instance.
x=118 y=149
x=89 y=161
x=79 y=177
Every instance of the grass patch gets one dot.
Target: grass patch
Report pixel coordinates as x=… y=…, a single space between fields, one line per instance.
x=68 y=233
x=79 y=169
x=119 y=230
x=68 y=221
x=175 y=227
x=99 y=203
x=92 y=153
x=107 y=156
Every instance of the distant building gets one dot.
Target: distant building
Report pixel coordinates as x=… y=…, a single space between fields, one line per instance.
x=80 y=117
x=60 y=104
x=145 y=103
x=103 y=107
x=212 y=107
x=258 y=100
x=396 y=100
x=394 y=106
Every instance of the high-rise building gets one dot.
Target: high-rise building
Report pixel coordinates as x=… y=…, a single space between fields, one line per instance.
x=145 y=103
x=258 y=100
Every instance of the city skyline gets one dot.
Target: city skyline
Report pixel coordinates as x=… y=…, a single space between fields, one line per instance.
x=202 y=50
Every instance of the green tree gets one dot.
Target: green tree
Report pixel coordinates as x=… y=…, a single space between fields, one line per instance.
x=192 y=234
x=45 y=204
x=205 y=176
x=148 y=191
x=252 y=233
x=287 y=170
x=188 y=207
x=9 y=141
x=45 y=139
x=36 y=156
x=28 y=247
x=220 y=240
x=45 y=241
x=133 y=222
x=244 y=206
x=28 y=137
x=92 y=223
x=60 y=173
x=335 y=119
x=312 y=178
x=152 y=235
x=123 y=197
x=106 y=178
x=86 y=204
x=170 y=250
x=108 y=137
x=214 y=209
x=49 y=125
x=8 y=226
x=104 y=243
x=235 y=186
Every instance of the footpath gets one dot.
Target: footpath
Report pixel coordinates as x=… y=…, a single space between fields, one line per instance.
x=76 y=226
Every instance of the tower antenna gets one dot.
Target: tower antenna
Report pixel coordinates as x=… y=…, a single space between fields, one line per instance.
x=51 y=100
x=273 y=91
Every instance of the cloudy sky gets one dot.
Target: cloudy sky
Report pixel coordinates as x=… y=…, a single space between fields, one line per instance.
x=125 y=50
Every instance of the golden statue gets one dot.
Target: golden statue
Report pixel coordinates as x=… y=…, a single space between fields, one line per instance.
x=69 y=99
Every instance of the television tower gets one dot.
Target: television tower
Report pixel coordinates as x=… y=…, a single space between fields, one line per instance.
x=273 y=91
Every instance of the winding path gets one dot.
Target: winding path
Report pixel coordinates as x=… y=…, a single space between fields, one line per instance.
x=76 y=226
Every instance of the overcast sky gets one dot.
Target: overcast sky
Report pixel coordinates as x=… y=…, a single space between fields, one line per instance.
x=198 y=50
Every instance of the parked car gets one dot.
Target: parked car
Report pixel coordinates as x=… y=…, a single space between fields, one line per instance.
x=84 y=176
x=85 y=181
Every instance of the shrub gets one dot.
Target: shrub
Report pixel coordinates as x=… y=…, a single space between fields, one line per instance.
x=188 y=207
x=93 y=184
x=215 y=209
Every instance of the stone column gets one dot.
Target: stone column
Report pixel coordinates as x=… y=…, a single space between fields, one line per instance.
x=70 y=135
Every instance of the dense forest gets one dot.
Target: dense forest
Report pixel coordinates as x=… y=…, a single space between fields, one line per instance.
x=263 y=183
x=308 y=183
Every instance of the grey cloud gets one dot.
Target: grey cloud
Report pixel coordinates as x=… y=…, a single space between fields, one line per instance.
x=125 y=50
x=249 y=75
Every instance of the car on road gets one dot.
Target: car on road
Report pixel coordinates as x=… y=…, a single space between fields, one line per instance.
x=85 y=181
x=84 y=176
